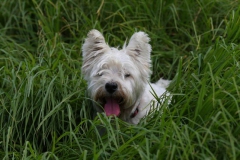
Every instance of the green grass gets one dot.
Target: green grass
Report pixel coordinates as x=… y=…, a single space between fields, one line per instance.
x=44 y=110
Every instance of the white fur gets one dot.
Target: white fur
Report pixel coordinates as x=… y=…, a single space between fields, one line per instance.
x=128 y=67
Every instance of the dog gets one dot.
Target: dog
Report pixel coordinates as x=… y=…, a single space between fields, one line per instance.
x=118 y=79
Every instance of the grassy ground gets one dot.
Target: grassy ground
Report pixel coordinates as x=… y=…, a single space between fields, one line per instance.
x=44 y=111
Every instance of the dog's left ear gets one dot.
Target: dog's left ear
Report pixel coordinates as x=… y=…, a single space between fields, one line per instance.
x=140 y=50
x=93 y=48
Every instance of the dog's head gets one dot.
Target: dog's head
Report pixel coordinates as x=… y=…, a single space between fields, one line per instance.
x=116 y=78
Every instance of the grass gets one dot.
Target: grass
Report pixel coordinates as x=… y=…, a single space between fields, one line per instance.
x=44 y=110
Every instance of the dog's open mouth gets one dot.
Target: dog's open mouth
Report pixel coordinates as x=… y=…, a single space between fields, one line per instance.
x=112 y=106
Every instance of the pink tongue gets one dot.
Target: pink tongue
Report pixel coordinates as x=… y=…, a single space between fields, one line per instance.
x=112 y=107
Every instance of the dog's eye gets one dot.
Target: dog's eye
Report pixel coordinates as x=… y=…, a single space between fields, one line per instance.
x=127 y=75
x=99 y=74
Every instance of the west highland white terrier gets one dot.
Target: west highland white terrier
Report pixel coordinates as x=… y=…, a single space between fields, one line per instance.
x=118 y=79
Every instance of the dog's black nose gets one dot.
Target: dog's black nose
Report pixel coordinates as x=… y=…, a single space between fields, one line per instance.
x=111 y=87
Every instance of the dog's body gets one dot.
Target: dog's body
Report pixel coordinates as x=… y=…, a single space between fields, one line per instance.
x=118 y=80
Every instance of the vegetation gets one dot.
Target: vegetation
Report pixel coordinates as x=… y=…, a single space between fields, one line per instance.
x=44 y=109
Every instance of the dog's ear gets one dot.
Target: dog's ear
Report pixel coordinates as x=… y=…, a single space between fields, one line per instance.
x=139 y=45
x=140 y=50
x=93 y=47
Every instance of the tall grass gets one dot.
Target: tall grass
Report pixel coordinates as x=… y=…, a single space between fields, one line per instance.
x=44 y=109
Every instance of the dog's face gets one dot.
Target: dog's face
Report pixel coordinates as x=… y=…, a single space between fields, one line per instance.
x=116 y=78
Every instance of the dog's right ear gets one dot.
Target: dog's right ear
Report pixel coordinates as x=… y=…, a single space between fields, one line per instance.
x=93 y=47
x=139 y=50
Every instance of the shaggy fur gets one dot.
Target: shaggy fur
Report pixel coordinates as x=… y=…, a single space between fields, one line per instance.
x=118 y=80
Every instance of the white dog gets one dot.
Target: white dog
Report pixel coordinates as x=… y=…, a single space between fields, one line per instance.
x=118 y=80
